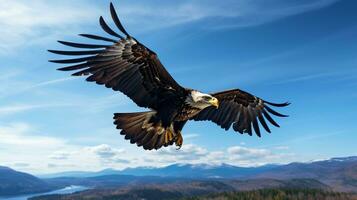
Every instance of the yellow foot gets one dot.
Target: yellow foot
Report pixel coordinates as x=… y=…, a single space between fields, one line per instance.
x=179 y=141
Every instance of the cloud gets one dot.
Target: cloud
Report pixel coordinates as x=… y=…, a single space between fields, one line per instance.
x=105 y=156
x=191 y=136
x=281 y=147
x=52 y=165
x=244 y=156
x=121 y=161
x=22 y=165
x=239 y=152
x=105 y=151
x=13 y=109
x=26 y=144
x=108 y=154
x=331 y=76
x=17 y=134
x=92 y=105
x=39 y=21
x=156 y=14
x=195 y=154
x=29 y=22
x=303 y=139
x=60 y=155
x=41 y=154
x=22 y=87
x=187 y=153
x=6 y=110
x=7 y=75
x=52 y=82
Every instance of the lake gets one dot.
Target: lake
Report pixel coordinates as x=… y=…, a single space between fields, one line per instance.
x=67 y=190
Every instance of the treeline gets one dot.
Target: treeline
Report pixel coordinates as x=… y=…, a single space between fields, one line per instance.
x=157 y=194
x=278 y=194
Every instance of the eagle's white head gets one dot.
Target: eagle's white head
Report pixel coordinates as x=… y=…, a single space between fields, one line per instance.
x=200 y=100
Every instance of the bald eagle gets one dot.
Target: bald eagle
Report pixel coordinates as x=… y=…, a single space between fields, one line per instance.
x=126 y=65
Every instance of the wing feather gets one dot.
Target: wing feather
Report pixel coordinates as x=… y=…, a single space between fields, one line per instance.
x=126 y=65
x=83 y=46
x=76 y=53
x=96 y=37
x=116 y=20
x=74 y=67
x=241 y=110
x=107 y=29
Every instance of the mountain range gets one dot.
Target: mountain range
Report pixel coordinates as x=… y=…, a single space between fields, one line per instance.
x=14 y=182
x=339 y=174
x=175 y=170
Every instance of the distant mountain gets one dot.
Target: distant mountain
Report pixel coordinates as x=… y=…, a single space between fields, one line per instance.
x=326 y=169
x=176 y=170
x=199 y=171
x=337 y=173
x=14 y=183
x=335 y=167
x=73 y=174
x=340 y=173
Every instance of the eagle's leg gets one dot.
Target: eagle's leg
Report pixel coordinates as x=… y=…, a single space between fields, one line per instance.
x=179 y=140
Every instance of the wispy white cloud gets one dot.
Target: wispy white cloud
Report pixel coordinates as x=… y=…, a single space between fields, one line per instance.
x=17 y=81
x=195 y=154
x=26 y=144
x=281 y=147
x=59 y=166
x=92 y=106
x=108 y=154
x=22 y=87
x=315 y=76
x=239 y=13
x=36 y=21
x=307 y=77
x=28 y=22
x=13 y=78
x=303 y=139
x=21 y=165
x=17 y=134
x=41 y=153
x=248 y=153
x=191 y=136
x=59 y=155
x=13 y=109
x=52 y=82
x=7 y=75
x=95 y=158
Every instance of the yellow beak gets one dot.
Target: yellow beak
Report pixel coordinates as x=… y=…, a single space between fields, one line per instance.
x=214 y=102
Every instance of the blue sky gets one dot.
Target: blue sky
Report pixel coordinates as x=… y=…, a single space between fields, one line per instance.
x=302 y=51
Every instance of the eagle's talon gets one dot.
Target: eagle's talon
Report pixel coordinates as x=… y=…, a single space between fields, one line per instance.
x=179 y=141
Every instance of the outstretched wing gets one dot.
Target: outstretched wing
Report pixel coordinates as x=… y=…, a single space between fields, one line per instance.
x=242 y=110
x=124 y=65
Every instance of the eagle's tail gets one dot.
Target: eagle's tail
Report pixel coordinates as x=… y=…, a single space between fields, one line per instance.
x=145 y=129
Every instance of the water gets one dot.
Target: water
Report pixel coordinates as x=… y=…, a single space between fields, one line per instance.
x=67 y=190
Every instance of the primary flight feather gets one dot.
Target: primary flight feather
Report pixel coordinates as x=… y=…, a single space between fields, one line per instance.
x=126 y=65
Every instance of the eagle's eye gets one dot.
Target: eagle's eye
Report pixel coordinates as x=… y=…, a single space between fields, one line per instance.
x=207 y=98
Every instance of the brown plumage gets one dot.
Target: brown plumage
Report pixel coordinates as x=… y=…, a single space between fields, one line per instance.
x=242 y=110
x=126 y=65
